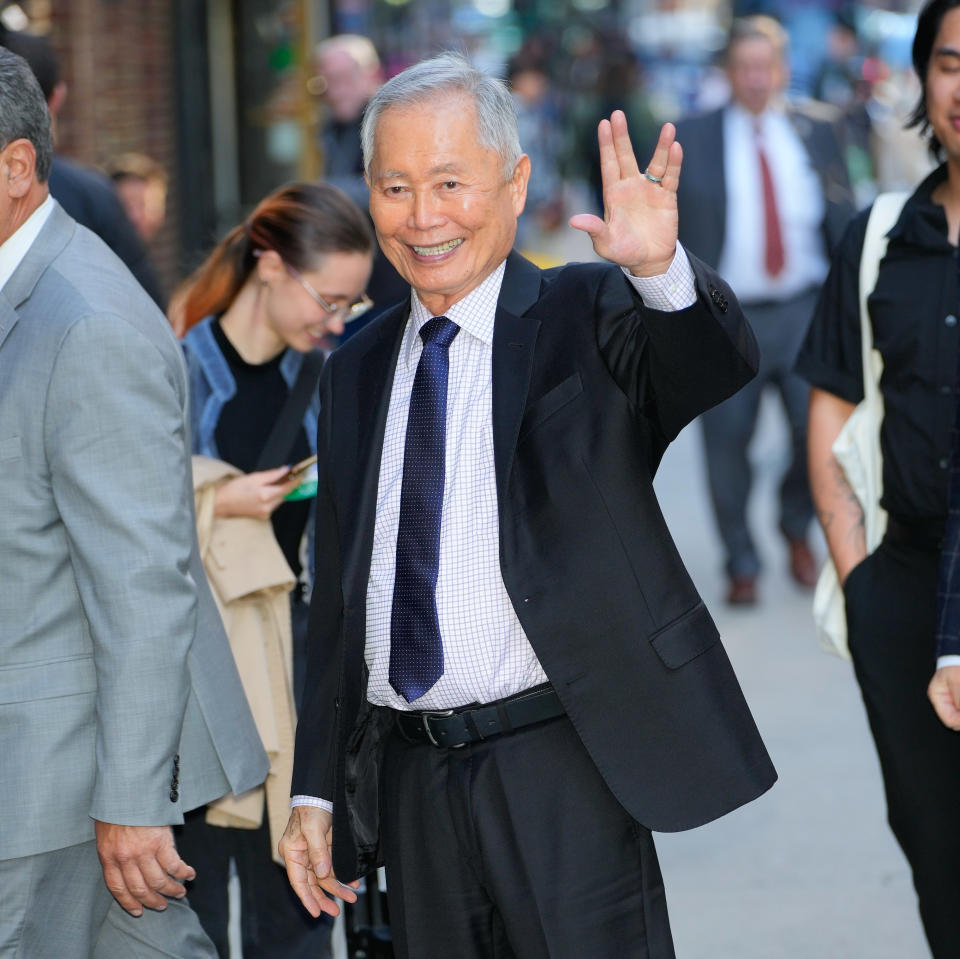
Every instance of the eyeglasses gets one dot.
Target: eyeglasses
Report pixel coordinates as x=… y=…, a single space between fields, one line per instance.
x=348 y=312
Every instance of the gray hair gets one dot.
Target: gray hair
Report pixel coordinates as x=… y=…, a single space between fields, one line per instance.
x=450 y=73
x=23 y=111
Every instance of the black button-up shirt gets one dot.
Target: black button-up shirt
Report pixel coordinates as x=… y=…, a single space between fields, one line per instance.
x=913 y=310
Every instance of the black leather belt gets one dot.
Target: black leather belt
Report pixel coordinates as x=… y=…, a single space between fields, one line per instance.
x=451 y=728
x=921 y=533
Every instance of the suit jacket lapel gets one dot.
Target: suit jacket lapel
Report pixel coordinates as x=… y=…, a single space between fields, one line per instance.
x=53 y=237
x=514 y=338
x=374 y=382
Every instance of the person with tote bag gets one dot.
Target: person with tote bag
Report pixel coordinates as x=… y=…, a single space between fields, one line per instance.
x=890 y=593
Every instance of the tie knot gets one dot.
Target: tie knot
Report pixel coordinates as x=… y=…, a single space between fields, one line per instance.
x=439 y=330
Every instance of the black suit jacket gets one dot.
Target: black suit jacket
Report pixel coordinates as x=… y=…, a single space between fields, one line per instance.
x=702 y=194
x=589 y=387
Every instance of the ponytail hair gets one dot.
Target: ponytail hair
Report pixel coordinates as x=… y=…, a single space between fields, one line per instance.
x=300 y=221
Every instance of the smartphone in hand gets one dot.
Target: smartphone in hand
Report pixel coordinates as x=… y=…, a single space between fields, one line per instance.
x=299 y=468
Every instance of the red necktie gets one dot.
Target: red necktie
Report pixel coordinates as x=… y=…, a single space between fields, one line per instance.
x=773 y=258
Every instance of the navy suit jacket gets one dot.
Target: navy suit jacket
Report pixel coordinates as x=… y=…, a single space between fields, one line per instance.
x=948 y=585
x=702 y=194
x=589 y=387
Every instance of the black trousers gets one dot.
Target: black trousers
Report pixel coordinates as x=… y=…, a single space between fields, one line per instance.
x=891 y=613
x=514 y=848
x=273 y=923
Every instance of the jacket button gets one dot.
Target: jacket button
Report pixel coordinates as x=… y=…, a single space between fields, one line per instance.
x=944 y=462
x=950 y=320
x=174 y=795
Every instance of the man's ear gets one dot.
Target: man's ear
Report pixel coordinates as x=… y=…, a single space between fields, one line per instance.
x=518 y=183
x=18 y=163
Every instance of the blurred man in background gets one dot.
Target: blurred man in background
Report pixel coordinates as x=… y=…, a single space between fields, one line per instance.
x=764 y=198
x=141 y=185
x=347 y=75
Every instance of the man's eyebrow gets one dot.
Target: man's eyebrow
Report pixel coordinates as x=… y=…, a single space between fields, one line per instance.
x=433 y=171
x=946 y=52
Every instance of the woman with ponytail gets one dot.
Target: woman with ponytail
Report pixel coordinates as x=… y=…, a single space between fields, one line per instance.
x=258 y=313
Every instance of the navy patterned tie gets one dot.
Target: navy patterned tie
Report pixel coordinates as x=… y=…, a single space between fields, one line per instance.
x=416 y=650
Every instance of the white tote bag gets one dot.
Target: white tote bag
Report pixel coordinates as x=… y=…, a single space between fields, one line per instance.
x=857 y=448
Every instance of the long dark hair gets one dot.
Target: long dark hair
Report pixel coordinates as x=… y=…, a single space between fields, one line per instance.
x=928 y=26
x=300 y=221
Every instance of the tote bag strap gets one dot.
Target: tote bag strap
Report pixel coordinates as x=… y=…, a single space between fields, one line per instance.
x=883 y=215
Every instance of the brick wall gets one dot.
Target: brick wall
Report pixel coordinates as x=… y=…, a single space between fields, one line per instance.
x=117 y=57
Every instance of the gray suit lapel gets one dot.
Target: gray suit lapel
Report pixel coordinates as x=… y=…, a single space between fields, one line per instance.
x=53 y=237
x=8 y=319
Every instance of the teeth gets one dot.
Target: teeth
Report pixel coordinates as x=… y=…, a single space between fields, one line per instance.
x=439 y=248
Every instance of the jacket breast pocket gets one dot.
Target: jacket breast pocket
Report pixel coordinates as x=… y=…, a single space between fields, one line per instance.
x=685 y=638
x=551 y=402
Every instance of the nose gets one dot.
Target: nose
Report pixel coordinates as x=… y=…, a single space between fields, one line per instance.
x=335 y=324
x=425 y=213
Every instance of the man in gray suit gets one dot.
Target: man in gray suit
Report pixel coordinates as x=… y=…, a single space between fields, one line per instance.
x=120 y=705
x=764 y=199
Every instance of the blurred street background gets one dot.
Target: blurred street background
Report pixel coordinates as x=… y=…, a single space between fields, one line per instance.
x=223 y=96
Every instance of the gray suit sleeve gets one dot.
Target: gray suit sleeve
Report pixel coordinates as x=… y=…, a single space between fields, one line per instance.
x=116 y=447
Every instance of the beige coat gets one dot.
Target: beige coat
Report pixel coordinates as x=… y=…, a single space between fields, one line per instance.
x=251 y=582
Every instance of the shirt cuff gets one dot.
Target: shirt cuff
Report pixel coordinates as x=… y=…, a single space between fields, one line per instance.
x=671 y=291
x=947 y=661
x=311 y=801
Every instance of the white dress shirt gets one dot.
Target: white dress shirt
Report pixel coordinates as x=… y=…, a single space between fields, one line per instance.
x=486 y=655
x=800 y=207
x=18 y=245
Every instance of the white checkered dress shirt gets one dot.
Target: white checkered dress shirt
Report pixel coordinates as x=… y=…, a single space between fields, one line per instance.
x=486 y=654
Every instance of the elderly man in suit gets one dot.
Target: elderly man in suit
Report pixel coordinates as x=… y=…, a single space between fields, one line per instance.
x=764 y=198
x=120 y=705
x=512 y=678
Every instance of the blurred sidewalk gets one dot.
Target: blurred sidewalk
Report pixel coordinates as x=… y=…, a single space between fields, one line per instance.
x=809 y=870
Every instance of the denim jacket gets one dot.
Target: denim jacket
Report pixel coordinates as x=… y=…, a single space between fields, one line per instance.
x=212 y=386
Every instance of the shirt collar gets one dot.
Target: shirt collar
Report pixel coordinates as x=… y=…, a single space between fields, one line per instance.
x=474 y=314
x=776 y=108
x=13 y=251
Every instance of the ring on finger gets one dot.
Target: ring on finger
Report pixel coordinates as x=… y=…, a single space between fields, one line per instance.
x=651 y=177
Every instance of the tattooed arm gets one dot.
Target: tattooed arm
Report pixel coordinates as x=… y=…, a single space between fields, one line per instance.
x=838 y=509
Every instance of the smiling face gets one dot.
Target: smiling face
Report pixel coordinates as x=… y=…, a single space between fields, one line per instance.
x=943 y=85
x=294 y=317
x=444 y=213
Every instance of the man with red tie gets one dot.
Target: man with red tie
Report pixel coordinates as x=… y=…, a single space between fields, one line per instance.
x=764 y=198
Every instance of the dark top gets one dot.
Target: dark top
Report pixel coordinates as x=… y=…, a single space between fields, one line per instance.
x=89 y=197
x=243 y=428
x=913 y=310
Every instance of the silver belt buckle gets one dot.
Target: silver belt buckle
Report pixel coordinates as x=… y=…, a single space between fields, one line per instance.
x=426 y=716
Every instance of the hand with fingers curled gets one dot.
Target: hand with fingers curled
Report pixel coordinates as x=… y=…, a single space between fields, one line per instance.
x=944 y=694
x=305 y=848
x=639 y=226
x=141 y=866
